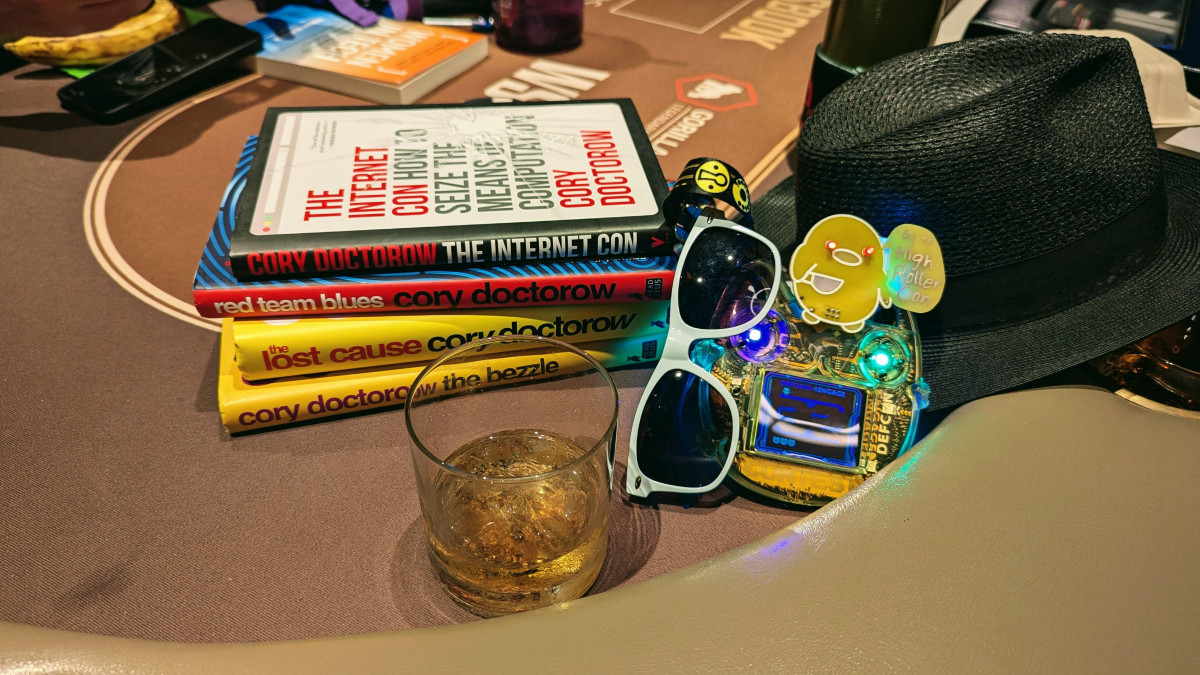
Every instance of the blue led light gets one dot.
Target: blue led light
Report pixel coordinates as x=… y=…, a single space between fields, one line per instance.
x=763 y=342
x=881 y=359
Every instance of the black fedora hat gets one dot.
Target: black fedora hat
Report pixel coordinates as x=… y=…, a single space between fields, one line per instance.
x=1066 y=232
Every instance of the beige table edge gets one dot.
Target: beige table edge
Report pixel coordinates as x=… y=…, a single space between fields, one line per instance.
x=1045 y=530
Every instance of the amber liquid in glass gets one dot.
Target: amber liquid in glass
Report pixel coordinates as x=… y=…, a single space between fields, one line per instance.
x=509 y=546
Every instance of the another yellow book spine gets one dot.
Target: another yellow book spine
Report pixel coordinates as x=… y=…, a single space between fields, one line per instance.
x=248 y=406
x=272 y=348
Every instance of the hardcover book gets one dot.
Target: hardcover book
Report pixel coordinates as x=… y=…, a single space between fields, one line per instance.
x=392 y=62
x=268 y=348
x=217 y=293
x=247 y=406
x=359 y=190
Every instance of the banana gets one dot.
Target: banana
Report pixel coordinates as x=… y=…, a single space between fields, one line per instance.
x=94 y=49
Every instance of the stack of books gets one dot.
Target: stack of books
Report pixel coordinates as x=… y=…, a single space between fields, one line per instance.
x=355 y=245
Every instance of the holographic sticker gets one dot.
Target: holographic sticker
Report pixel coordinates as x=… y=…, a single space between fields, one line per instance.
x=838 y=272
x=916 y=275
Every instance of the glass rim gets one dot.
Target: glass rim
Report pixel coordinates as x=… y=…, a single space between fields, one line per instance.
x=607 y=436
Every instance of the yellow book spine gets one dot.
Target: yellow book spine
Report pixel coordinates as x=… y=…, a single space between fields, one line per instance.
x=250 y=405
x=272 y=348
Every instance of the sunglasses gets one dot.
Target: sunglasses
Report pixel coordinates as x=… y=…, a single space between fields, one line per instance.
x=687 y=427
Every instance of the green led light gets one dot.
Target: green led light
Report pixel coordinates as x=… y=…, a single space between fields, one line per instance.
x=882 y=359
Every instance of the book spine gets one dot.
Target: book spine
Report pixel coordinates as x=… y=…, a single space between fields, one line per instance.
x=271 y=348
x=247 y=406
x=442 y=295
x=506 y=245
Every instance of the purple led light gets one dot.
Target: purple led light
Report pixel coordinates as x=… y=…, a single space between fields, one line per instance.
x=763 y=342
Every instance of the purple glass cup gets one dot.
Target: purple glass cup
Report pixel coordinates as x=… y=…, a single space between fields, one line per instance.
x=539 y=26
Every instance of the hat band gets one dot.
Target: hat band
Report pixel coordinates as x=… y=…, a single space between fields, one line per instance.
x=1058 y=280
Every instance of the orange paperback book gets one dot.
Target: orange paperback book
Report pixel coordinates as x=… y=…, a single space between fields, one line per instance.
x=392 y=62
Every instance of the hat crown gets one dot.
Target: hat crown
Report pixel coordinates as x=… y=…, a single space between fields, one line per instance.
x=1007 y=148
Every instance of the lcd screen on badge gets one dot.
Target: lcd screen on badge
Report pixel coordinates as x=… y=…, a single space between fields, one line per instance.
x=807 y=418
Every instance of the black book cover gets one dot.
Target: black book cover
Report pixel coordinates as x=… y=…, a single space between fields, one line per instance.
x=367 y=189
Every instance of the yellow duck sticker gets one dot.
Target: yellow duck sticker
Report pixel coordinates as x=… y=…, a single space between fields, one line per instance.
x=840 y=272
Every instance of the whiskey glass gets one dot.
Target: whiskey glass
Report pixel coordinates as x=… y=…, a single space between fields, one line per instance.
x=513 y=442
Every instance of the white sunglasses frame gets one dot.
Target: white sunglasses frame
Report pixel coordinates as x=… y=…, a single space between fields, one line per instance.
x=675 y=356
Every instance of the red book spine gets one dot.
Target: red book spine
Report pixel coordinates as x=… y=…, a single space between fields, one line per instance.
x=437 y=295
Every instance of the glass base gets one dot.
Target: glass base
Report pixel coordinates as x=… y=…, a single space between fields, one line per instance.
x=489 y=603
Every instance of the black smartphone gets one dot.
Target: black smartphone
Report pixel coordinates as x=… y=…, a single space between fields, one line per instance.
x=177 y=66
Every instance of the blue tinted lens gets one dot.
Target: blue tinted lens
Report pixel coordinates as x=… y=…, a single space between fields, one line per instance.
x=724 y=278
x=685 y=431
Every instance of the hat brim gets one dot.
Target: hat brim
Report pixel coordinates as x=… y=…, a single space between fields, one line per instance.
x=960 y=367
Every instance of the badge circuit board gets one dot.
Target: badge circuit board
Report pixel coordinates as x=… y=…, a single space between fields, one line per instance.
x=821 y=409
